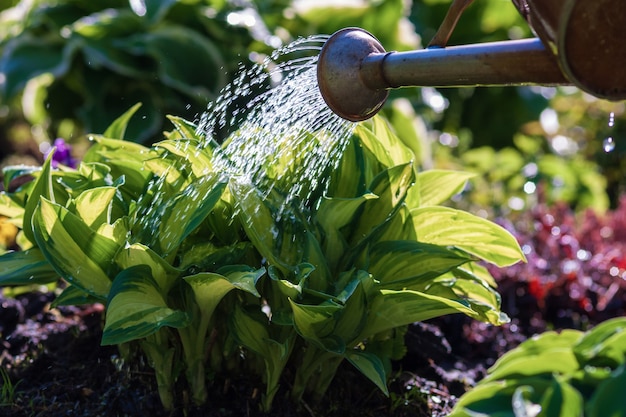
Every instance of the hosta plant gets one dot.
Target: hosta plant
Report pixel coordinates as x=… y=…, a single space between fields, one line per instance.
x=571 y=373
x=207 y=273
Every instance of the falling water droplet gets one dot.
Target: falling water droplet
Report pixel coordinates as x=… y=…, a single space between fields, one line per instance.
x=608 y=144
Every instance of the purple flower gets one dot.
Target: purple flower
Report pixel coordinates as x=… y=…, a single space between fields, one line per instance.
x=62 y=154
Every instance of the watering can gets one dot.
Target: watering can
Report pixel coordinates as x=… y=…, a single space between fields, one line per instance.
x=579 y=42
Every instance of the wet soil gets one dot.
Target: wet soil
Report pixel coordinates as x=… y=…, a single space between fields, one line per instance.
x=53 y=365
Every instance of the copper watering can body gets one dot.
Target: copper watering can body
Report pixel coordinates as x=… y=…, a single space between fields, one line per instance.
x=580 y=42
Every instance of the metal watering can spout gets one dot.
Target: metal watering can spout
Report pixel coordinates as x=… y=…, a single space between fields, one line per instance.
x=580 y=42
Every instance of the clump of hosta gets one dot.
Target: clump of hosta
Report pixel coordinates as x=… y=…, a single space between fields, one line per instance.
x=570 y=373
x=195 y=266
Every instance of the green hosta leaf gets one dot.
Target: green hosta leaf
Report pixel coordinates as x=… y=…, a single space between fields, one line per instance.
x=187 y=211
x=280 y=242
x=41 y=188
x=484 y=299
x=209 y=288
x=333 y=215
x=94 y=206
x=371 y=366
x=25 y=57
x=137 y=254
x=391 y=187
x=125 y=159
x=604 y=345
x=316 y=323
x=392 y=309
x=190 y=153
x=500 y=398
x=117 y=129
x=384 y=144
x=136 y=308
x=73 y=296
x=26 y=268
x=562 y=400
x=608 y=399
x=170 y=45
x=253 y=334
x=410 y=264
x=188 y=130
x=437 y=186
x=12 y=172
x=350 y=178
x=77 y=252
x=450 y=227
x=545 y=354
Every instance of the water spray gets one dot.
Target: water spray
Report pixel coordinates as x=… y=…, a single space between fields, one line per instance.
x=578 y=43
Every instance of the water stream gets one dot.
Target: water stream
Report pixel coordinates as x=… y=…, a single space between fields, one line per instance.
x=278 y=128
x=275 y=129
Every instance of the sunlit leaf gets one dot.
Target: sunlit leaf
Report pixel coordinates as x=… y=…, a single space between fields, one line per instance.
x=397 y=308
x=77 y=252
x=94 y=206
x=437 y=186
x=450 y=227
x=406 y=263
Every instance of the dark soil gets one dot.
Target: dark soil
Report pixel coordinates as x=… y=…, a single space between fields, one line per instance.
x=56 y=366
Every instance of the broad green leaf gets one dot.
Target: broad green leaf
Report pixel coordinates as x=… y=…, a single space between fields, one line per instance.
x=410 y=264
x=484 y=299
x=73 y=296
x=136 y=308
x=546 y=354
x=371 y=366
x=15 y=171
x=350 y=177
x=125 y=159
x=187 y=211
x=26 y=268
x=437 y=186
x=391 y=309
x=480 y=237
x=137 y=254
x=41 y=188
x=603 y=342
x=117 y=129
x=94 y=205
x=562 y=400
x=608 y=398
x=279 y=241
x=254 y=335
x=496 y=398
x=188 y=130
x=170 y=45
x=190 y=153
x=25 y=57
x=77 y=252
x=209 y=288
x=334 y=214
x=391 y=187
x=316 y=323
x=384 y=144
